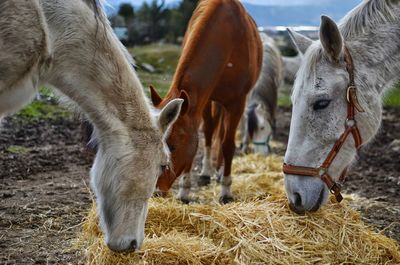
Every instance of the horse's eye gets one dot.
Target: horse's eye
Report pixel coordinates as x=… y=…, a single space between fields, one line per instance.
x=262 y=128
x=164 y=168
x=321 y=104
x=171 y=148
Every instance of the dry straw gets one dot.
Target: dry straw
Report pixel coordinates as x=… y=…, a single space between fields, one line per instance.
x=257 y=229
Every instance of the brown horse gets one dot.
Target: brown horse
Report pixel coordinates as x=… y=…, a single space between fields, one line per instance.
x=221 y=61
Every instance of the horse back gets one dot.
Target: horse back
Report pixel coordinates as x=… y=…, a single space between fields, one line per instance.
x=244 y=63
x=222 y=52
x=23 y=40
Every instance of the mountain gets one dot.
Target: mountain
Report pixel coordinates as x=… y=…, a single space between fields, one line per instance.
x=300 y=15
x=112 y=5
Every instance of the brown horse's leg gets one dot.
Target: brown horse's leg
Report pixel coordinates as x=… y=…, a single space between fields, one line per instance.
x=208 y=128
x=219 y=138
x=232 y=116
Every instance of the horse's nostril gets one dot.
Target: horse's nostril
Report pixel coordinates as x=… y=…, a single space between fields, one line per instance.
x=133 y=244
x=296 y=205
x=297 y=200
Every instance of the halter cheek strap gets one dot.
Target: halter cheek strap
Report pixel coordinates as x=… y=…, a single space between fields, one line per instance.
x=350 y=128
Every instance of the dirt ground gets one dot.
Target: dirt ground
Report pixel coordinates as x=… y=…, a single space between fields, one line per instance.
x=45 y=195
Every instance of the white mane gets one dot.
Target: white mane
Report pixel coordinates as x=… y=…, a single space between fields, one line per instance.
x=366 y=16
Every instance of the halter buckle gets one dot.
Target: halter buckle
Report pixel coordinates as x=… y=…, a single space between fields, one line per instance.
x=351 y=96
x=336 y=187
x=322 y=171
x=350 y=90
x=335 y=190
x=350 y=123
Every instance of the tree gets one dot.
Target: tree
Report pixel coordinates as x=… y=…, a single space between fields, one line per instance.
x=126 y=11
x=155 y=21
x=117 y=21
x=179 y=18
x=152 y=20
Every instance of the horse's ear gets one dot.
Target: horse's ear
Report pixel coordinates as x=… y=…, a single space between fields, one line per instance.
x=169 y=114
x=330 y=37
x=155 y=98
x=185 y=106
x=300 y=41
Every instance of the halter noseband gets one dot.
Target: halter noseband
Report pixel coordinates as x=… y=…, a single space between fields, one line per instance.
x=264 y=143
x=350 y=128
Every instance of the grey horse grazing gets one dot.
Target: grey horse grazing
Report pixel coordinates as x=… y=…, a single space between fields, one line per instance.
x=337 y=98
x=69 y=46
x=258 y=122
x=291 y=65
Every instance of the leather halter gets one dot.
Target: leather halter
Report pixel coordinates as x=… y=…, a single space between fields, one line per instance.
x=264 y=143
x=350 y=128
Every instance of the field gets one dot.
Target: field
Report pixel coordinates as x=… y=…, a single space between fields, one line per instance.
x=44 y=171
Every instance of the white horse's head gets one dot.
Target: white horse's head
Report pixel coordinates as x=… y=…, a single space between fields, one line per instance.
x=259 y=128
x=124 y=176
x=319 y=115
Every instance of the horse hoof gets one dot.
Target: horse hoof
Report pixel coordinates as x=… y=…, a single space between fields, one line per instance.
x=225 y=199
x=204 y=180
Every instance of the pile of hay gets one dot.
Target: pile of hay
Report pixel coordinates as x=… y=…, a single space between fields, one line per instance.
x=258 y=228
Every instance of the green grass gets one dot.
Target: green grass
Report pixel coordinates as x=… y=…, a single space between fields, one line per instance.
x=43 y=110
x=164 y=57
x=392 y=98
x=161 y=82
x=284 y=100
x=17 y=149
x=46 y=92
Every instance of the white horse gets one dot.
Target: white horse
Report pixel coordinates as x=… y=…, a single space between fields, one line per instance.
x=258 y=121
x=370 y=35
x=69 y=46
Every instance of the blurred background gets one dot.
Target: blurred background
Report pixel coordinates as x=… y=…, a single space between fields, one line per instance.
x=153 y=31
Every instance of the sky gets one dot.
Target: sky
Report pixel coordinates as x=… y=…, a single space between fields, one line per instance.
x=275 y=12
x=257 y=2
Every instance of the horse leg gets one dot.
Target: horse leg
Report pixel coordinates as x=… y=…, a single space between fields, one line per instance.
x=219 y=158
x=232 y=117
x=184 y=187
x=244 y=136
x=208 y=128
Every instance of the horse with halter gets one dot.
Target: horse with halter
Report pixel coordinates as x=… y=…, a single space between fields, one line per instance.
x=337 y=98
x=258 y=122
x=69 y=46
x=221 y=61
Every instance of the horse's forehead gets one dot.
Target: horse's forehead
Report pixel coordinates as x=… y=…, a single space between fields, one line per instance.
x=315 y=76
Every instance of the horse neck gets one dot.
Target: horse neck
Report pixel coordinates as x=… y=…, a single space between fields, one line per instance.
x=376 y=56
x=197 y=99
x=95 y=73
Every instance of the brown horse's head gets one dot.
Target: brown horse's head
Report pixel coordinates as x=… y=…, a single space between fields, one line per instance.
x=182 y=139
